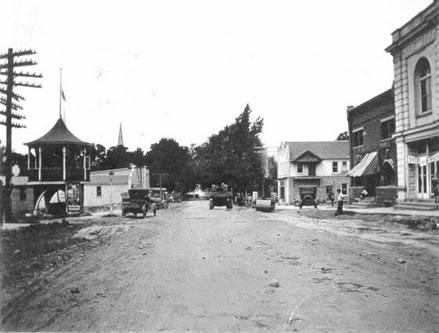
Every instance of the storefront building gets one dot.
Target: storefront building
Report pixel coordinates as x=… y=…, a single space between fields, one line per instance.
x=415 y=51
x=372 y=149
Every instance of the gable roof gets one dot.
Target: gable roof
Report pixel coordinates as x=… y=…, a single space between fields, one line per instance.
x=326 y=150
x=306 y=157
x=59 y=134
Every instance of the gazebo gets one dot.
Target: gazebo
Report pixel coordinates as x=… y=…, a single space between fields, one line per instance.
x=58 y=167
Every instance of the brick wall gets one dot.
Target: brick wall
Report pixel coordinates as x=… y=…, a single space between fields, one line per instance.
x=386 y=195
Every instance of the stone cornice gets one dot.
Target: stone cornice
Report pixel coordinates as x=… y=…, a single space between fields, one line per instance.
x=426 y=20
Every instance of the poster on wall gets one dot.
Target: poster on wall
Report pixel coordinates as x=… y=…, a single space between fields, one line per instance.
x=73 y=198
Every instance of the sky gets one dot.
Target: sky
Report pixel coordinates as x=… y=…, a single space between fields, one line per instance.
x=184 y=69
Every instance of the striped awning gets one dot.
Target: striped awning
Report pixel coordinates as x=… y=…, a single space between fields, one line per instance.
x=367 y=166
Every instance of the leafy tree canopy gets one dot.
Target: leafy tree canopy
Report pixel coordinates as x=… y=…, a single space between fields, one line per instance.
x=231 y=156
x=343 y=136
x=173 y=162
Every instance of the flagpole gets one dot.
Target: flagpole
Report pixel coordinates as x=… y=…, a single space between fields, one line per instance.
x=60 y=91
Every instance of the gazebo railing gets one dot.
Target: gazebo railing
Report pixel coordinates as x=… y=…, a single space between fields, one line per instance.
x=56 y=174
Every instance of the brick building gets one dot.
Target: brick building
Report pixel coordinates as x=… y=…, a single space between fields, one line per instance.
x=317 y=167
x=372 y=149
x=415 y=51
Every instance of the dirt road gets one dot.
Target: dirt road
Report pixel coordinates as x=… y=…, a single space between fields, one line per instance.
x=191 y=268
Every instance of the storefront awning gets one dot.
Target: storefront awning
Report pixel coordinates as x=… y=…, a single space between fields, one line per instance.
x=367 y=166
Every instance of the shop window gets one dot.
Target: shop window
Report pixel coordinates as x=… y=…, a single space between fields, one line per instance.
x=423 y=86
x=334 y=167
x=99 y=191
x=387 y=128
x=357 y=138
x=299 y=168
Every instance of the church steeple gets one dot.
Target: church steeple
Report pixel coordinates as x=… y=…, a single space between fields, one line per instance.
x=120 y=139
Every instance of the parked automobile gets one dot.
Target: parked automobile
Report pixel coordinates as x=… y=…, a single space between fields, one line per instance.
x=136 y=201
x=174 y=197
x=159 y=196
x=308 y=197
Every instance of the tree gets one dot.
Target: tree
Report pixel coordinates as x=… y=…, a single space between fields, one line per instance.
x=231 y=156
x=173 y=162
x=98 y=156
x=117 y=157
x=343 y=136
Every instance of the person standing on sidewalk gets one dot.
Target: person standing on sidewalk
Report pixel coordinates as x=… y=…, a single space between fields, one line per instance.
x=339 y=203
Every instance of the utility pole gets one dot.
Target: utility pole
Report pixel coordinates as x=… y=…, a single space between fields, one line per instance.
x=160 y=181
x=7 y=70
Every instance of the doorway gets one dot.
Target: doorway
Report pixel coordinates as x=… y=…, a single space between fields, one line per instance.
x=423 y=185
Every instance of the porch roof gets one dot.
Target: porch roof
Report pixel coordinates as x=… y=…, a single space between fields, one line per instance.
x=367 y=166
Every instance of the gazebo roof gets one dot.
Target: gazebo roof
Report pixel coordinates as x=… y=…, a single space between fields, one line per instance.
x=59 y=134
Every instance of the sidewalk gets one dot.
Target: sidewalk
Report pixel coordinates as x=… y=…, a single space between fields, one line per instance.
x=371 y=210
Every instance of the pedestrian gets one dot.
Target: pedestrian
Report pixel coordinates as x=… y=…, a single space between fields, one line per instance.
x=435 y=184
x=339 y=203
x=331 y=198
x=364 y=193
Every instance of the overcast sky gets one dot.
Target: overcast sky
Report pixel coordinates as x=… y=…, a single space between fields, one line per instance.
x=184 y=69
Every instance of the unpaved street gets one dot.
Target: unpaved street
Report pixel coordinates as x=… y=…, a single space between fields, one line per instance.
x=191 y=268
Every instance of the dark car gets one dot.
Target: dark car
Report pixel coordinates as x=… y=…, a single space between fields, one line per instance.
x=159 y=196
x=174 y=197
x=220 y=196
x=308 y=196
x=136 y=201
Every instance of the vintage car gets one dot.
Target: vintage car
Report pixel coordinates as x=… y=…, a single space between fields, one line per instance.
x=220 y=196
x=159 y=197
x=174 y=197
x=136 y=201
x=308 y=197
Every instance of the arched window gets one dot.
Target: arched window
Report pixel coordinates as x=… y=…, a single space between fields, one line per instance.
x=423 y=86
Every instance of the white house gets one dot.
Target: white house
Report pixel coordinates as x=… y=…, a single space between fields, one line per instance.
x=312 y=167
x=105 y=189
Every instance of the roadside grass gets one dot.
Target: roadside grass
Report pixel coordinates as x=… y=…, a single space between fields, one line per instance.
x=27 y=252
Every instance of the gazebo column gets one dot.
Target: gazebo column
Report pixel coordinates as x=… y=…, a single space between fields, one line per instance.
x=40 y=150
x=85 y=163
x=36 y=159
x=64 y=163
x=28 y=158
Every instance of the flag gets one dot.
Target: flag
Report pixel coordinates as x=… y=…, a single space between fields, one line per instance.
x=63 y=96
